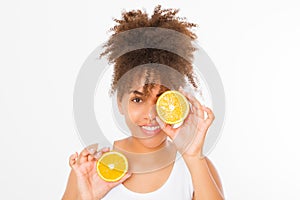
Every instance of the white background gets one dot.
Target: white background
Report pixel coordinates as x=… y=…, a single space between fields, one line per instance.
x=254 y=44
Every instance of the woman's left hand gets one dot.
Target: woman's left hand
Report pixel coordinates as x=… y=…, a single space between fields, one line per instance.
x=195 y=125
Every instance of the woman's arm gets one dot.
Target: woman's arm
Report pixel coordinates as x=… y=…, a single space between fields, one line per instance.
x=71 y=192
x=207 y=185
x=215 y=175
x=206 y=182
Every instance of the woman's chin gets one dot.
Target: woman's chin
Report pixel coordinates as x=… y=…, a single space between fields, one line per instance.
x=153 y=142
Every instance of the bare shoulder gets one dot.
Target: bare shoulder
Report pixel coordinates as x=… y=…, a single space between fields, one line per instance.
x=121 y=144
x=214 y=173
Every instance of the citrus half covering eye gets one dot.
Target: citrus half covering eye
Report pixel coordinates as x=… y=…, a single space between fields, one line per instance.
x=112 y=166
x=172 y=107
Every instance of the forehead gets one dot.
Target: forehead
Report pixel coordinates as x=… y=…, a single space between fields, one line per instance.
x=144 y=78
x=148 y=89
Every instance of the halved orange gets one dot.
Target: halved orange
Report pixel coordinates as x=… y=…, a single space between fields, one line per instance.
x=172 y=107
x=112 y=166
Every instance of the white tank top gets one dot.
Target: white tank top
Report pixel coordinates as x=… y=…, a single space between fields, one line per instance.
x=178 y=186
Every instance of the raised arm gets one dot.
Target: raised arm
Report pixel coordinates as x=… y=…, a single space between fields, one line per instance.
x=206 y=182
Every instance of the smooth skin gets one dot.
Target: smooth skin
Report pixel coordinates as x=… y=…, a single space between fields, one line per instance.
x=206 y=182
x=85 y=184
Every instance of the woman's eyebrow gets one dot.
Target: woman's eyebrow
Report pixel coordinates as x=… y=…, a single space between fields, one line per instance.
x=137 y=92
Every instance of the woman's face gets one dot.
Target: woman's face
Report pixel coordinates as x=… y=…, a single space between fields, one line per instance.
x=139 y=112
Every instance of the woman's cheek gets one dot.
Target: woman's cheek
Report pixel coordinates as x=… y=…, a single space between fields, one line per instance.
x=134 y=114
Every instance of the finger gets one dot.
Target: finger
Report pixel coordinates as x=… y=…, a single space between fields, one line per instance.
x=160 y=123
x=91 y=157
x=98 y=154
x=124 y=178
x=73 y=159
x=105 y=149
x=83 y=156
x=92 y=148
x=192 y=99
x=210 y=114
x=182 y=91
x=167 y=128
x=196 y=105
x=188 y=120
x=186 y=95
x=127 y=175
x=85 y=152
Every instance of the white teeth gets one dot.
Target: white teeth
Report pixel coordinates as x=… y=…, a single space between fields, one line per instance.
x=150 y=128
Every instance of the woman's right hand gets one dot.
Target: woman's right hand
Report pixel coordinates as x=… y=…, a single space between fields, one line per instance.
x=90 y=185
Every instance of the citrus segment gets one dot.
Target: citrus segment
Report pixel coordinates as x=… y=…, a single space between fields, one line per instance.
x=112 y=166
x=172 y=107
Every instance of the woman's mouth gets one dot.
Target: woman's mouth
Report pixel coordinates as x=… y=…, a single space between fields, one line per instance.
x=151 y=130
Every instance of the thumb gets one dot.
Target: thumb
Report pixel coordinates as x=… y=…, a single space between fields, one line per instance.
x=124 y=178
x=167 y=128
x=161 y=123
x=128 y=174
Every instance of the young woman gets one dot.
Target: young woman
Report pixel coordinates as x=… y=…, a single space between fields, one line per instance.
x=189 y=174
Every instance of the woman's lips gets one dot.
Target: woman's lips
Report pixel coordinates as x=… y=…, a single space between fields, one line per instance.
x=151 y=130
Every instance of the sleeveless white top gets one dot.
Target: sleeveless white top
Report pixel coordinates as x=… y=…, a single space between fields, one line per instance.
x=178 y=186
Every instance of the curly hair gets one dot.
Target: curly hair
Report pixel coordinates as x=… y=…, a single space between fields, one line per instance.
x=123 y=63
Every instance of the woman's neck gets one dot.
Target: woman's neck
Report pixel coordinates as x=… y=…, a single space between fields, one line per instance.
x=143 y=159
x=137 y=146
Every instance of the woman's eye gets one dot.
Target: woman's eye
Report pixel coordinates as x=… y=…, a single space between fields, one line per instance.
x=137 y=100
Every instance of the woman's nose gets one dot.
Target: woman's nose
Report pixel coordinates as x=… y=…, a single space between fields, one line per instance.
x=151 y=113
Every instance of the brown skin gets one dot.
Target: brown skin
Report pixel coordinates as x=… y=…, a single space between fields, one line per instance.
x=206 y=182
x=205 y=179
x=84 y=182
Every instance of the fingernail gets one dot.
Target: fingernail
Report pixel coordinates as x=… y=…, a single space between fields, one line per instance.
x=92 y=150
x=97 y=155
